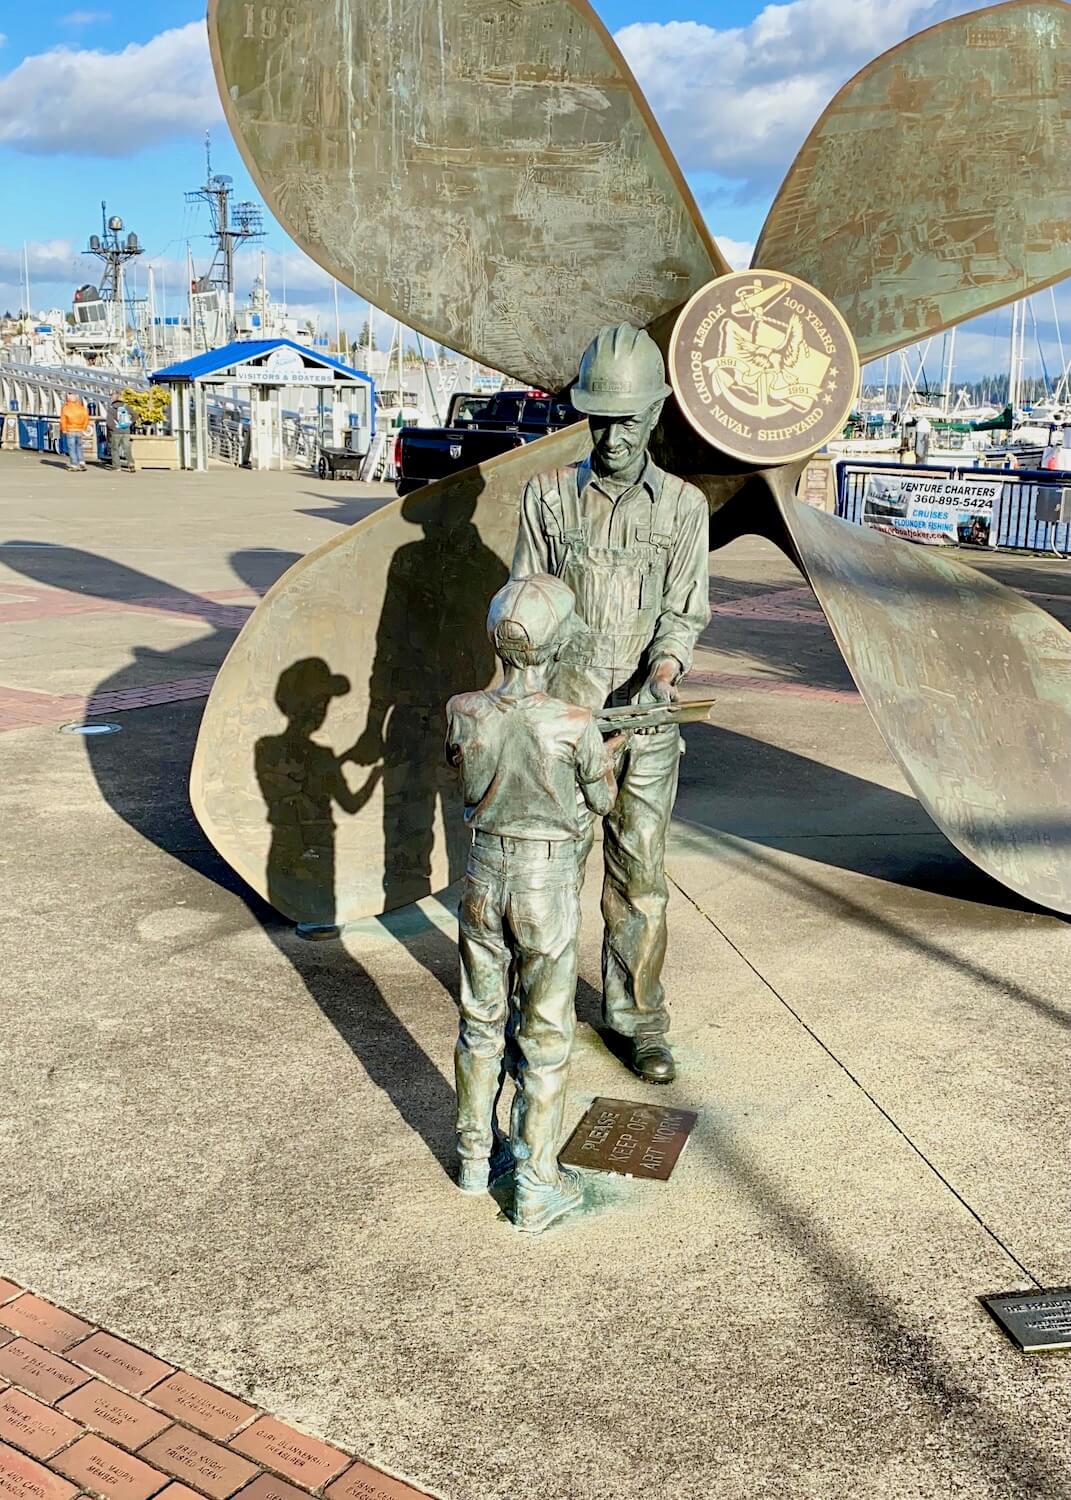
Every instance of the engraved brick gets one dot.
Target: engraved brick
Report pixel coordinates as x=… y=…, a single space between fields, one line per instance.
x=269 y=1487
x=177 y=1491
x=306 y=1460
x=22 y=1479
x=28 y=1424
x=206 y=1466
x=39 y=1370
x=8 y=1289
x=201 y=1405
x=39 y=1320
x=105 y=1470
x=123 y=1364
x=362 y=1482
x=114 y=1414
x=5 y=1337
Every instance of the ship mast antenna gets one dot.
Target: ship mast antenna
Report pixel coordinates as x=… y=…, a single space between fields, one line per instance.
x=232 y=225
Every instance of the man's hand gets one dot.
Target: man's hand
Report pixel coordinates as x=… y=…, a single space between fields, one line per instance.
x=660 y=686
x=369 y=748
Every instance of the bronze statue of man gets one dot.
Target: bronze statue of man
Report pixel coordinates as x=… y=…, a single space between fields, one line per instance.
x=632 y=543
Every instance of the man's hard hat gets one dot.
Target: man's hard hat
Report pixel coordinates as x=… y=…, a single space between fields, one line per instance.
x=622 y=373
x=530 y=614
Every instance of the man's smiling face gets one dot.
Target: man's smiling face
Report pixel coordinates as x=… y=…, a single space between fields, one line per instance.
x=618 y=442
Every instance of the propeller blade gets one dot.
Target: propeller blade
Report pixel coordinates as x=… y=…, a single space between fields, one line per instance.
x=493 y=177
x=968 y=682
x=935 y=186
x=367 y=636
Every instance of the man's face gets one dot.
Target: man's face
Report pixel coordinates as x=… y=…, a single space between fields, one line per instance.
x=619 y=441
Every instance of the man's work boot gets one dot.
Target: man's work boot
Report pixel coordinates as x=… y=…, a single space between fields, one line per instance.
x=536 y=1207
x=651 y=1059
x=501 y=1158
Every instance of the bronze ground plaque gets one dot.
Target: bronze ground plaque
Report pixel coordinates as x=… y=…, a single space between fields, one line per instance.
x=764 y=366
x=1035 y=1321
x=633 y=1140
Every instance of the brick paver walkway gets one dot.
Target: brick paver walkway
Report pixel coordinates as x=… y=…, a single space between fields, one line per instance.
x=22 y=708
x=83 y=1412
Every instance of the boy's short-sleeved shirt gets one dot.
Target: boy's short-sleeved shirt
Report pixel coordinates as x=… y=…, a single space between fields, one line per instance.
x=522 y=762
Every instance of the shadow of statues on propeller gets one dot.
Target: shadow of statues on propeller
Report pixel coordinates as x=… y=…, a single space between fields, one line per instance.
x=301 y=780
x=431 y=643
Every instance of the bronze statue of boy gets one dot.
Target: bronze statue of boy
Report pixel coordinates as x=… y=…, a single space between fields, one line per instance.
x=529 y=766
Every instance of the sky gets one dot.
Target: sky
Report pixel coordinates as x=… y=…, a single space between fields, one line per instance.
x=112 y=102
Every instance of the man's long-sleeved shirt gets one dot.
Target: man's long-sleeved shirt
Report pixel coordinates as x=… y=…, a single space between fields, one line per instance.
x=637 y=562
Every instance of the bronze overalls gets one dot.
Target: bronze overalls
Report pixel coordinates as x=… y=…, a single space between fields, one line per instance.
x=619 y=597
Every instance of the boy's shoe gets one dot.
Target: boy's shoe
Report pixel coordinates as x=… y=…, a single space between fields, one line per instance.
x=473 y=1176
x=537 y=1208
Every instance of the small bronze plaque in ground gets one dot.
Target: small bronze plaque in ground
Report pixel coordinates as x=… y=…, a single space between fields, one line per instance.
x=1036 y=1321
x=634 y=1140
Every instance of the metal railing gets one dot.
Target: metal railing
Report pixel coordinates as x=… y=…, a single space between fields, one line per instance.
x=1016 y=524
x=228 y=433
x=42 y=389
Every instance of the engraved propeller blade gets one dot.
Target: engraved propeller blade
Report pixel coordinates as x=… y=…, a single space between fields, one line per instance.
x=968 y=682
x=491 y=175
x=935 y=185
x=374 y=630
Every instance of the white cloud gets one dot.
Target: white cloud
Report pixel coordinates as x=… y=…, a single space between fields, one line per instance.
x=740 y=101
x=737 y=252
x=57 y=267
x=92 y=103
x=50 y=260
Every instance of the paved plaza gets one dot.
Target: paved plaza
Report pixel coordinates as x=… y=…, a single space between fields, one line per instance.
x=232 y=1148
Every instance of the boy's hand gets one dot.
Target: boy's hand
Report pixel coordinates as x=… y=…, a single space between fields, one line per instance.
x=616 y=743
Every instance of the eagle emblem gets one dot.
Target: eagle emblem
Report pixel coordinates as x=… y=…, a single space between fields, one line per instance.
x=766 y=365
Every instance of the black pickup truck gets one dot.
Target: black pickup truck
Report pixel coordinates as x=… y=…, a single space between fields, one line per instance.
x=477 y=428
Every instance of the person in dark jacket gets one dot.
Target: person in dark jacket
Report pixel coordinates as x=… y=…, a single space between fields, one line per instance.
x=119 y=422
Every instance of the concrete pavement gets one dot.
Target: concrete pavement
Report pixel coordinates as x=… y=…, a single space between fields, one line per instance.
x=233 y=1147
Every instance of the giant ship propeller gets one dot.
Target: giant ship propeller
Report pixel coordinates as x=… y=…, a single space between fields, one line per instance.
x=489 y=172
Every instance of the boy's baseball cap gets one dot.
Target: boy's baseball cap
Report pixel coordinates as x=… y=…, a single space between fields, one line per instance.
x=308 y=681
x=532 y=613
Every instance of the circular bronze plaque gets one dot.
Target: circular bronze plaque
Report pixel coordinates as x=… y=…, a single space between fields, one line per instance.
x=764 y=366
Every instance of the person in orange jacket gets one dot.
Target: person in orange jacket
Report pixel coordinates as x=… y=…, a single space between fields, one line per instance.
x=74 y=424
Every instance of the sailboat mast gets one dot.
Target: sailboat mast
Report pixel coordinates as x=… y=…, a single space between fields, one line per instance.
x=1060 y=393
x=151 y=315
x=949 y=368
x=401 y=379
